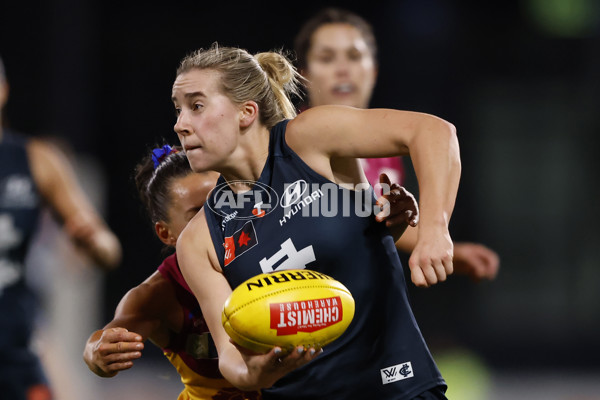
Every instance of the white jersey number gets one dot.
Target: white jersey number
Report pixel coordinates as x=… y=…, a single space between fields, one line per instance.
x=295 y=259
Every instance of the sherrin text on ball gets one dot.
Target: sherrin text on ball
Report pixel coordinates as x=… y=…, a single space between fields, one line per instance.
x=287 y=308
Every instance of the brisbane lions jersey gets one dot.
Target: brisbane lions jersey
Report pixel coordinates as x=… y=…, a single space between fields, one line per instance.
x=293 y=218
x=191 y=351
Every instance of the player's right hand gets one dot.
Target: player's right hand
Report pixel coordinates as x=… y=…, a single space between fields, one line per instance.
x=112 y=350
x=266 y=369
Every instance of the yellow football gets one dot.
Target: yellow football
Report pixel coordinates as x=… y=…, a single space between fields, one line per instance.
x=287 y=308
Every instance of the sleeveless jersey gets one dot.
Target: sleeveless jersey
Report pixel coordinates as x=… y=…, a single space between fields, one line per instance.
x=295 y=218
x=19 y=213
x=192 y=351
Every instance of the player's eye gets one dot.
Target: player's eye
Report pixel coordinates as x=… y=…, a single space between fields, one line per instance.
x=326 y=58
x=355 y=55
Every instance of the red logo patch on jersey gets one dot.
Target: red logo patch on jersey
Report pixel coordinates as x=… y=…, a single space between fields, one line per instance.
x=240 y=242
x=305 y=316
x=257 y=211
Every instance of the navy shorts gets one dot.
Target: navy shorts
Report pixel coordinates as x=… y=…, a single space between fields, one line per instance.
x=436 y=393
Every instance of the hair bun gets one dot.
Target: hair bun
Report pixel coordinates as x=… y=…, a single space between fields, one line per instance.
x=276 y=66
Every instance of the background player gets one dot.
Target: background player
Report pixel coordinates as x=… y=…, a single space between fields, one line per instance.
x=35 y=175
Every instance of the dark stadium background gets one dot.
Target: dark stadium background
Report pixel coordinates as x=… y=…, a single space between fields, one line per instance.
x=519 y=79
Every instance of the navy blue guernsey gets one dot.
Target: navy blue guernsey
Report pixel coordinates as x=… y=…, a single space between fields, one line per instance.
x=19 y=213
x=296 y=218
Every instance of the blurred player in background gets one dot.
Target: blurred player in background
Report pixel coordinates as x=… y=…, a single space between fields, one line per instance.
x=336 y=52
x=35 y=175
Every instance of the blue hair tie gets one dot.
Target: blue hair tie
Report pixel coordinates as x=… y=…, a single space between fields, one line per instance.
x=159 y=154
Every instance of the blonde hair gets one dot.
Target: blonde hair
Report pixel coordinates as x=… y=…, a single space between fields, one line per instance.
x=268 y=78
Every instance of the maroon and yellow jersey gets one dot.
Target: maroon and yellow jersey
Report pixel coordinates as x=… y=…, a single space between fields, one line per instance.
x=191 y=351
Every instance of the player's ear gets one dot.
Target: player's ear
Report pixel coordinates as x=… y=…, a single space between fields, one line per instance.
x=164 y=233
x=248 y=113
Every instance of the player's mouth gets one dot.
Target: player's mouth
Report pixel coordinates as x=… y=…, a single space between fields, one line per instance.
x=344 y=89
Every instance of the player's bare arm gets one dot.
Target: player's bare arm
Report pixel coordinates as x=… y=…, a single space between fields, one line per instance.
x=148 y=311
x=201 y=270
x=61 y=191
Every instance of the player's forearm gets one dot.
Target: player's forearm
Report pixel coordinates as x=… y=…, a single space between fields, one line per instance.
x=234 y=369
x=406 y=243
x=437 y=165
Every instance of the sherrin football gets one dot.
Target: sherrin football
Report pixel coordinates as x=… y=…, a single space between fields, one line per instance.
x=287 y=308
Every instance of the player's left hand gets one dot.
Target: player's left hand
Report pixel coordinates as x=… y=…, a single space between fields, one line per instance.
x=476 y=261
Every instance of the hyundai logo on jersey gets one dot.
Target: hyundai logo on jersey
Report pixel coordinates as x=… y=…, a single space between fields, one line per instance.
x=293 y=193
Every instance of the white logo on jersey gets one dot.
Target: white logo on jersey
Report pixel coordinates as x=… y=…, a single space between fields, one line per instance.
x=10 y=236
x=295 y=259
x=293 y=193
x=10 y=273
x=302 y=204
x=228 y=218
x=231 y=204
x=18 y=191
x=397 y=372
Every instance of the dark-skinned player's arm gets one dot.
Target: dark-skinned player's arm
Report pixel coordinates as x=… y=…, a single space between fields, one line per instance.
x=147 y=311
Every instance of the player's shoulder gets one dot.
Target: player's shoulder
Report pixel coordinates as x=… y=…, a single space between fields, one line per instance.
x=195 y=237
x=317 y=122
x=40 y=147
x=151 y=286
x=149 y=294
x=306 y=120
x=45 y=158
x=198 y=225
x=195 y=244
